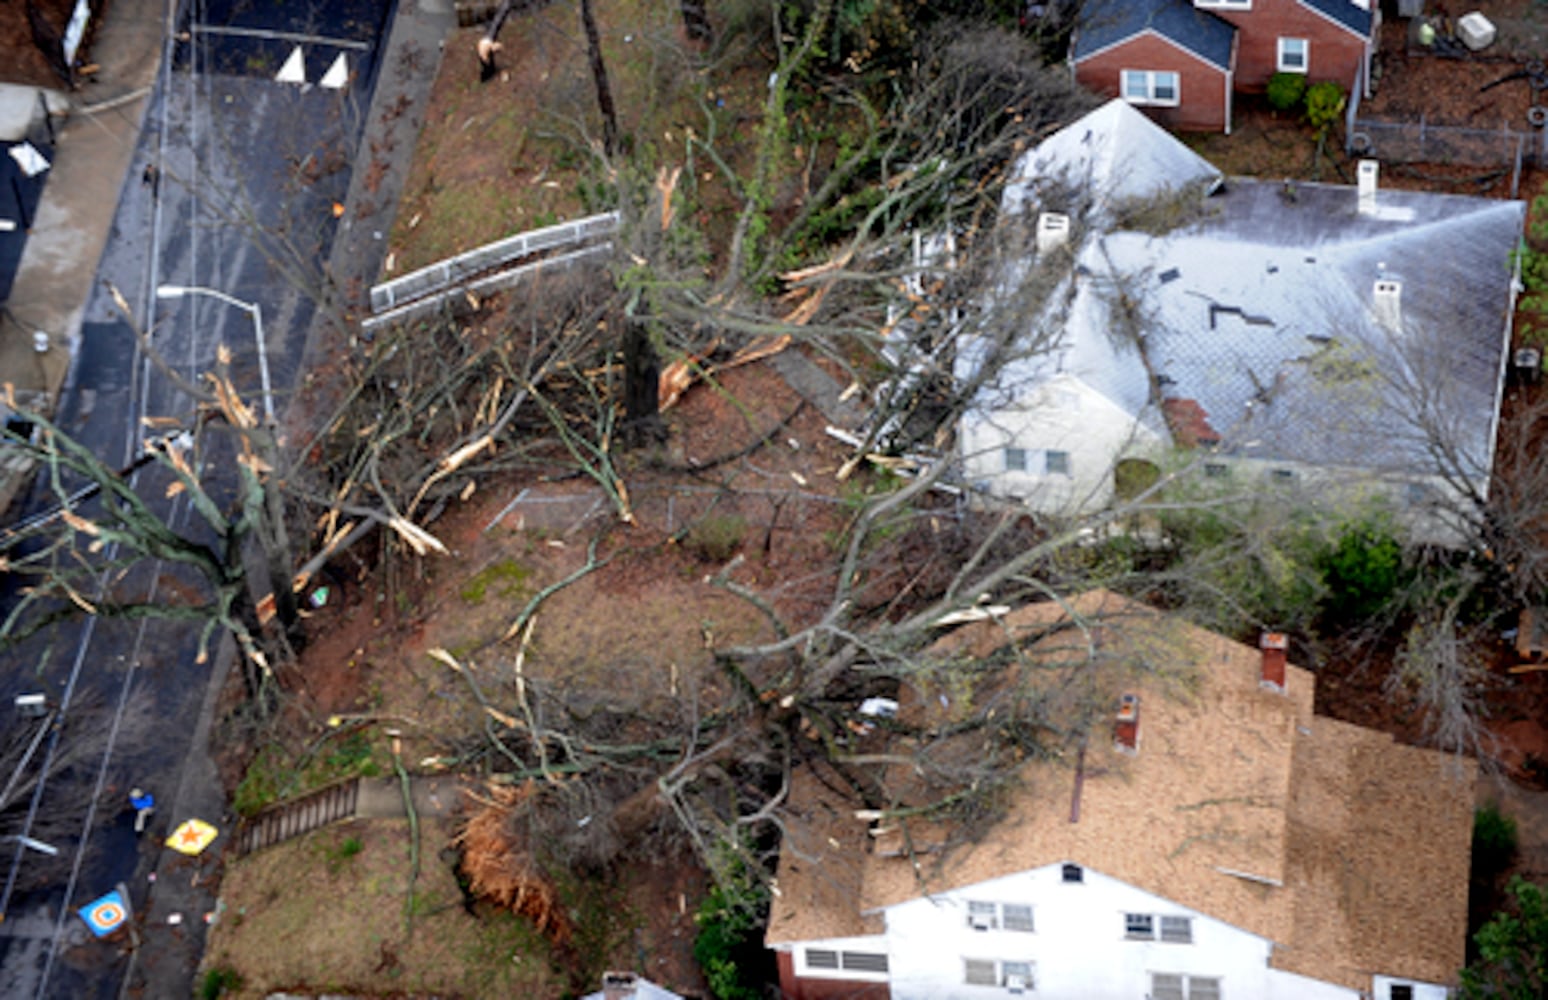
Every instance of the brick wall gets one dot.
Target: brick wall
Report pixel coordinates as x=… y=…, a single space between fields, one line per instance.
x=1335 y=51
x=792 y=987
x=1201 y=87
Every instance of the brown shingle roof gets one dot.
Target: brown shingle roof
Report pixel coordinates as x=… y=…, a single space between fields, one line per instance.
x=1240 y=804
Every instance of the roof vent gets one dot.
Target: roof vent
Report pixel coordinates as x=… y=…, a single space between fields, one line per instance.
x=1366 y=175
x=1387 y=303
x=1053 y=231
x=1126 y=725
x=1272 y=674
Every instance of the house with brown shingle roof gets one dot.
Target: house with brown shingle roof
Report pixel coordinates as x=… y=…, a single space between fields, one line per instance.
x=1210 y=838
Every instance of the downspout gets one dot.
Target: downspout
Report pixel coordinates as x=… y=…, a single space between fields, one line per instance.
x=1230 y=79
x=1499 y=384
x=1370 y=48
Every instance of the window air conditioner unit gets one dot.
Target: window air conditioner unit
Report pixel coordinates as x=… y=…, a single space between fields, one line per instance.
x=980 y=922
x=1015 y=984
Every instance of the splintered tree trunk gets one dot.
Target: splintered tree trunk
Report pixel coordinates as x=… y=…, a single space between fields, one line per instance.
x=696 y=21
x=599 y=77
x=642 y=385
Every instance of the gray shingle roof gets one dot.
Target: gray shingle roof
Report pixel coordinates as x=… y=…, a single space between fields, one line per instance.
x=1105 y=23
x=1262 y=312
x=1345 y=12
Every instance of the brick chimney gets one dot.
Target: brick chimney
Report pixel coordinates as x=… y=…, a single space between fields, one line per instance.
x=1272 y=675
x=1126 y=725
x=618 y=985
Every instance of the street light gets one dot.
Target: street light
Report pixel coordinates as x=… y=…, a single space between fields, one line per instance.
x=251 y=308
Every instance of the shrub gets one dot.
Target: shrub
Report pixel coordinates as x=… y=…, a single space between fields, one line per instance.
x=715 y=537
x=1286 y=90
x=729 y=921
x=1363 y=571
x=1494 y=843
x=218 y=982
x=1325 y=102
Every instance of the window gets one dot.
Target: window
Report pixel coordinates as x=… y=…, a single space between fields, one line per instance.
x=1177 y=930
x=991 y=972
x=1016 y=917
x=1170 y=986
x=1015 y=460
x=1293 y=55
x=1400 y=991
x=1057 y=463
x=1139 y=925
x=1016 y=974
x=1074 y=873
x=863 y=961
x=1142 y=86
x=1203 y=988
x=1283 y=475
x=821 y=959
x=866 y=962
x=981 y=916
x=1217 y=470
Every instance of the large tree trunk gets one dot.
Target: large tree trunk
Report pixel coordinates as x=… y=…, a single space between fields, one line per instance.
x=642 y=385
x=696 y=21
x=599 y=77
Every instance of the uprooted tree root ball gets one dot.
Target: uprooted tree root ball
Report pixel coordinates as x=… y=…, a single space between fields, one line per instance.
x=499 y=865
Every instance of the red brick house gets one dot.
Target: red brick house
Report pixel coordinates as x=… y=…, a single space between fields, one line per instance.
x=1181 y=60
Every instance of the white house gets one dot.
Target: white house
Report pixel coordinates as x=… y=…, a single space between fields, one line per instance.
x=1294 y=332
x=1219 y=841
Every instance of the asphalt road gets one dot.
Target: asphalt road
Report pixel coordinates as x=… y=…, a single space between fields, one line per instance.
x=244 y=171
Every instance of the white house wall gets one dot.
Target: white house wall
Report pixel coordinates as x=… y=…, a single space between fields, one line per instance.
x=1078 y=946
x=1062 y=415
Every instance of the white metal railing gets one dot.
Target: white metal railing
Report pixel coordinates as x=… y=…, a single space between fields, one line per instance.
x=442 y=275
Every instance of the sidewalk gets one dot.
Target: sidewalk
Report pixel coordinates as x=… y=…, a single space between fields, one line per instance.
x=95 y=140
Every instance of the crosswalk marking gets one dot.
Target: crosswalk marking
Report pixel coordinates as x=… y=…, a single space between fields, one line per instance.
x=294 y=70
x=338 y=74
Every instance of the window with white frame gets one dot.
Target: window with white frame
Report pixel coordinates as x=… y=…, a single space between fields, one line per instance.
x=986 y=916
x=1144 y=86
x=1015 y=460
x=1016 y=917
x=1016 y=975
x=1139 y=925
x=858 y=964
x=1056 y=463
x=978 y=971
x=1400 y=991
x=1173 y=986
x=1143 y=926
x=1294 y=55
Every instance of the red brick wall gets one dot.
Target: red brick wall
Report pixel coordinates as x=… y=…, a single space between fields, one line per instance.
x=1200 y=86
x=792 y=987
x=1335 y=51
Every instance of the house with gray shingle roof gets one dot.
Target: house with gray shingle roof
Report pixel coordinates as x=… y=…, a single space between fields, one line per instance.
x=1182 y=60
x=1273 y=333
